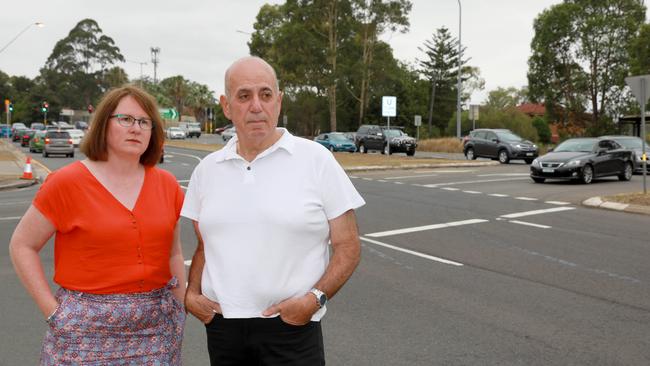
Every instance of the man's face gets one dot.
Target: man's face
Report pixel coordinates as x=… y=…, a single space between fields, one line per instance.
x=254 y=103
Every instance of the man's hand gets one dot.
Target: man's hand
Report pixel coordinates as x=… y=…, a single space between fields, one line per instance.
x=296 y=310
x=201 y=307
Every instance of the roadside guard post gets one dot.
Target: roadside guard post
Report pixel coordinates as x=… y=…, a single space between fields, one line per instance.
x=417 y=121
x=640 y=86
x=388 y=109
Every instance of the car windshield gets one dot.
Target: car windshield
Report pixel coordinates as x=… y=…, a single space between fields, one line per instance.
x=576 y=145
x=337 y=137
x=394 y=133
x=508 y=136
x=58 y=135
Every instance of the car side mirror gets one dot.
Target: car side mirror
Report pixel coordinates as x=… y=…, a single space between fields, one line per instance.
x=495 y=140
x=550 y=150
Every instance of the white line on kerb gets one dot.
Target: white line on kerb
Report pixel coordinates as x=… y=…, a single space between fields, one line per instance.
x=529 y=224
x=412 y=252
x=536 y=212
x=424 y=228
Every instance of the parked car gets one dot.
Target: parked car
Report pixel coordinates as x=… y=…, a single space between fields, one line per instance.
x=584 y=159
x=26 y=136
x=5 y=130
x=219 y=130
x=37 y=142
x=374 y=137
x=336 y=141
x=81 y=125
x=635 y=144
x=37 y=126
x=175 y=133
x=500 y=144
x=76 y=136
x=191 y=129
x=58 y=142
x=228 y=133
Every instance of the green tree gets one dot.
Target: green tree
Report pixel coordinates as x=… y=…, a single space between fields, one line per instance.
x=501 y=98
x=177 y=89
x=75 y=69
x=580 y=55
x=543 y=131
x=640 y=52
x=199 y=97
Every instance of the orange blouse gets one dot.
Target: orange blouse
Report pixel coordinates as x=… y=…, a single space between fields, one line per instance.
x=100 y=246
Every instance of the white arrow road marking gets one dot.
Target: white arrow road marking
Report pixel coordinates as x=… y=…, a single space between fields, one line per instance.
x=536 y=212
x=412 y=252
x=424 y=228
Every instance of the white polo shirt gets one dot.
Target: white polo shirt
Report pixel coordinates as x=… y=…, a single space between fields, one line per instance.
x=265 y=223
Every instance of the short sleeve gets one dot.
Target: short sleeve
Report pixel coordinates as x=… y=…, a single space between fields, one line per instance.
x=337 y=192
x=180 y=197
x=192 y=204
x=51 y=202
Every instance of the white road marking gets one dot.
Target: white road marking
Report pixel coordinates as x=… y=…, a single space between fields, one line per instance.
x=412 y=176
x=526 y=198
x=398 y=182
x=366 y=178
x=412 y=252
x=381 y=180
x=473 y=192
x=498 y=195
x=188 y=155
x=353 y=177
x=505 y=175
x=451 y=189
x=14 y=203
x=183 y=181
x=10 y=218
x=188 y=262
x=182 y=186
x=536 y=212
x=424 y=228
x=472 y=182
x=529 y=224
x=558 y=203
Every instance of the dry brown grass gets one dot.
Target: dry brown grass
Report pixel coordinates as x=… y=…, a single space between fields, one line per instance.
x=447 y=144
x=639 y=198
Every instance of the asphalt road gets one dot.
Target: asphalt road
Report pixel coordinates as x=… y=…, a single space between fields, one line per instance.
x=476 y=266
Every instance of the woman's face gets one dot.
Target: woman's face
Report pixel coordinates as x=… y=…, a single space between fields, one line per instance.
x=128 y=141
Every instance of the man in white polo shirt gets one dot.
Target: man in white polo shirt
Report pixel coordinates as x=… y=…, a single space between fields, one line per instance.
x=264 y=209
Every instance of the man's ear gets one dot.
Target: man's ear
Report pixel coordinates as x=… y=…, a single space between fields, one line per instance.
x=225 y=106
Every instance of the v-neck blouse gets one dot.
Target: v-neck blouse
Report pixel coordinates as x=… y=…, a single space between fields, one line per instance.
x=101 y=246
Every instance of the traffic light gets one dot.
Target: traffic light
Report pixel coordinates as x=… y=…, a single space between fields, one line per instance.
x=11 y=108
x=45 y=107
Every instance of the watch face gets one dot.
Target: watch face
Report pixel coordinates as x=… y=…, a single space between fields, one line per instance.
x=322 y=300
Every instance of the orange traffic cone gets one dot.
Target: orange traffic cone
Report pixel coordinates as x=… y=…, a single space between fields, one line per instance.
x=27 y=172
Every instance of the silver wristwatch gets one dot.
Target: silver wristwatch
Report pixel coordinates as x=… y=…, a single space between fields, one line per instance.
x=321 y=298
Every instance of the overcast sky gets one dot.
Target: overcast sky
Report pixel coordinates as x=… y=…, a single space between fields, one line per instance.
x=199 y=39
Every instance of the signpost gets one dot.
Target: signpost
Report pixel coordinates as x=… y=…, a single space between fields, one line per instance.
x=417 y=121
x=640 y=86
x=388 y=109
x=473 y=114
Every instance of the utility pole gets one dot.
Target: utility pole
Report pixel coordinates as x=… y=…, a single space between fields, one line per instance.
x=141 y=64
x=154 y=59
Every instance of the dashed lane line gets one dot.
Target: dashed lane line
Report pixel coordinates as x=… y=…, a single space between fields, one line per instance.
x=473 y=192
x=450 y=189
x=472 y=182
x=425 y=228
x=412 y=252
x=529 y=224
x=498 y=195
x=559 y=203
x=10 y=218
x=526 y=199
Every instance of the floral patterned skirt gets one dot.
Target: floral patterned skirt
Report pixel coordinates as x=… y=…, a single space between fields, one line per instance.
x=117 y=329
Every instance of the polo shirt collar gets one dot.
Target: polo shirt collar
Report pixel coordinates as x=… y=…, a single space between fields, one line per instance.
x=286 y=142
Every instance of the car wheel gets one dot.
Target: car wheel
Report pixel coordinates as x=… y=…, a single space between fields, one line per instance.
x=44 y=154
x=503 y=157
x=410 y=153
x=384 y=150
x=72 y=155
x=528 y=161
x=469 y=154
x=627 y=172
x=331 y=148
x=362 y=149
x=539 y=180
x=587 y=175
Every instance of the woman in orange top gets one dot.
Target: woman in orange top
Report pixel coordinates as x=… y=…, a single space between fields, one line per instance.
x=117 y=254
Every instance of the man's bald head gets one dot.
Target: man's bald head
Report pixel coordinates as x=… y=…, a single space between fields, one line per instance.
x=246 y=60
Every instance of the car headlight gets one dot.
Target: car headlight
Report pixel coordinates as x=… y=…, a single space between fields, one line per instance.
x=573 y=163
x=534 y=146
x=516 y=146
x=338 y=145
x=535 y=163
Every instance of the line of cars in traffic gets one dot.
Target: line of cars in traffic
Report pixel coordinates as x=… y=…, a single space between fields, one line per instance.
x=59 y=138
x=580 y=159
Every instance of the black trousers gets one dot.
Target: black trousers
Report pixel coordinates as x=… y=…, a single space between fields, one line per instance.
x=264 y=341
